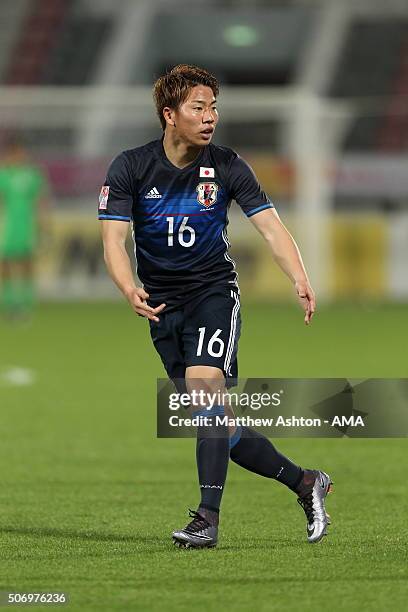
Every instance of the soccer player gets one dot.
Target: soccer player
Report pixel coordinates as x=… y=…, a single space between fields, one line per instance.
x=176 y=192
x=24 y=197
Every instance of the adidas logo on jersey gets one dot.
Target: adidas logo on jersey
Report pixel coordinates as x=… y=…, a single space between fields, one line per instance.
x=153 y=193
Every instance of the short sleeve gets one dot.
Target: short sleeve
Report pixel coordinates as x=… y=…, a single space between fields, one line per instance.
x=245 y=189
x=116 y=196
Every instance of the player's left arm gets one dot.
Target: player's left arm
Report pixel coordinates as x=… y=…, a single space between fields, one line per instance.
x=287 y=255
x=246 y=190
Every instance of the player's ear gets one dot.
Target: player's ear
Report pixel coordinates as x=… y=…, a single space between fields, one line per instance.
x=169 y=116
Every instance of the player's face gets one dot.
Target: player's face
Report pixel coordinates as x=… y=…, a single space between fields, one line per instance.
x=196 y=119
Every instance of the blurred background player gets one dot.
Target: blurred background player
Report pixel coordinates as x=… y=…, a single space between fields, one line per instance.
x=23 y=202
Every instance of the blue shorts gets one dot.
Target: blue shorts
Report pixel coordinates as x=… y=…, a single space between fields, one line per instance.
x=203 y=331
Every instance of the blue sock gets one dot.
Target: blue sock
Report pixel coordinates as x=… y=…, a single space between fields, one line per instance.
x=212 y=453
x=256 y=453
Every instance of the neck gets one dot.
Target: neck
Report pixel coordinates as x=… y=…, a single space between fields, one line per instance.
x=179 y=152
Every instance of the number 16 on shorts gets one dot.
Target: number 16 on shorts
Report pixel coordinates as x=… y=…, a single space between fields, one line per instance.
x=215 y=346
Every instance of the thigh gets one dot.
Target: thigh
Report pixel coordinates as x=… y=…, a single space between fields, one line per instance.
x=167 y=339
x=212 y=326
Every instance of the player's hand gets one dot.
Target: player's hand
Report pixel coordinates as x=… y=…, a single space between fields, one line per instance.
x=137 y=299
x=306 y=299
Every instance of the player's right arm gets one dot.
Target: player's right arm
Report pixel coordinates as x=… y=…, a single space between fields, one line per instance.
x=117 y=261
x=115 y=212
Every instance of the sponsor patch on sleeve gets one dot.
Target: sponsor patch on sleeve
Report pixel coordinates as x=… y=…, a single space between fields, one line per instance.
x=103 y=198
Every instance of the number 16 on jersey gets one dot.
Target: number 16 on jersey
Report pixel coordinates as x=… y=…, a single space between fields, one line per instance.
x=185 y=233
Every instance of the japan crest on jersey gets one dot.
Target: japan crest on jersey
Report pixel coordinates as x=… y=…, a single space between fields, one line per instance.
x=103 y=198
x=207 y=194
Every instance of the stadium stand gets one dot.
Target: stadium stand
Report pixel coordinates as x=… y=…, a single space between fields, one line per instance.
x=77 y=50
x=38 y=36
x=357 y=77
x=56 y=45
x=393 y=133
x=13 y=13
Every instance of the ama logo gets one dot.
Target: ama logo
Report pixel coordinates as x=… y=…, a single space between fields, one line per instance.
x=207 y=194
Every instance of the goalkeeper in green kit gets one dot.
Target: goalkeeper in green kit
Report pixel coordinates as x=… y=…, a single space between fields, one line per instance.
x=23 y=205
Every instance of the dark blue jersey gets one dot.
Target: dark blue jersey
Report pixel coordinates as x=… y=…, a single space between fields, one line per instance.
x=180 y=216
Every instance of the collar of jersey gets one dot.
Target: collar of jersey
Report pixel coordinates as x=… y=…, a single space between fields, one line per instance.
x=172 y=166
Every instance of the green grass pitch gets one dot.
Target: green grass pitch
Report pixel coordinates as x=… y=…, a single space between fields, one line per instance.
x=89 y=496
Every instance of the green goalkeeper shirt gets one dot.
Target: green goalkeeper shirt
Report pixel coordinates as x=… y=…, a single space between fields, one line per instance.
x=20 y=189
